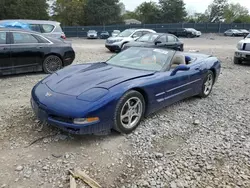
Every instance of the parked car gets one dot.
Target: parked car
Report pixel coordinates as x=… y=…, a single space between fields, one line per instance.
x=157 y=40
x=244 y=31
x=47 y=28
x=92 y=34
x=116 y=43
x=117 y=94
x=115 y=33
x=104 y=35
x=27 y=51
x=185 y=32
x=242 y=52
x=233 y=32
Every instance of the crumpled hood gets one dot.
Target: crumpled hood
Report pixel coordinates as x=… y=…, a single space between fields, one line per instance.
x=74 y=80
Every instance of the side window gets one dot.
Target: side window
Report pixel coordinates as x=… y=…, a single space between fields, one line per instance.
x=137 y=34
x=171 y=39
x=24 y=38
x=35 y=27
x=47 y=28
x=163 y=39
x=145 y=32
x=2 y=37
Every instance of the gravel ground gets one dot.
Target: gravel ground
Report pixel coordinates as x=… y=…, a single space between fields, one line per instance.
x=194 y=143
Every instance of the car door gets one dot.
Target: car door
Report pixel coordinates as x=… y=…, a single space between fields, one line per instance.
x=25 y=51
x=5 y=63
x=137 y=35
x=178 y=85
x=173 y=43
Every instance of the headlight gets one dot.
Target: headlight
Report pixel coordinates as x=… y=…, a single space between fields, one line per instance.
x=239 y=46
x=118 y=40
x=93 y=94
x=82 y=121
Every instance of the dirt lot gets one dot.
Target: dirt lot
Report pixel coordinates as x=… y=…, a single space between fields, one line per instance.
x=195 y=143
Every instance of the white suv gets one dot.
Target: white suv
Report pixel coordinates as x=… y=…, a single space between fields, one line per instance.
x=117 y=43
x=242 y=52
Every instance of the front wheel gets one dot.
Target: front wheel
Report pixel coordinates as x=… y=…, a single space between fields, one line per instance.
x=52 y=64
x=237 y=60
x=129 y=112
x=207 y=85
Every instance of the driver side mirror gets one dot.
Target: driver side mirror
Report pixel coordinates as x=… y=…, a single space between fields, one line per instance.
x=179 y=68
x=158 y=42
x=134 y=36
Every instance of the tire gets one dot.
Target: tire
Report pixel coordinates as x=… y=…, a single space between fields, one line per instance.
x=237 y=60
x=207 y=85
x=51 y=64
x=131 y=112
x=189 y=36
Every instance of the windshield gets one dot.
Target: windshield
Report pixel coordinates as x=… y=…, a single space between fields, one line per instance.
x=244 y=30
x=116 y=31
x=190 y=29
x=248 y=36
x=148 y=38
x=126 y=33
x=142 y=58
x=92 y=31
x=235 y=31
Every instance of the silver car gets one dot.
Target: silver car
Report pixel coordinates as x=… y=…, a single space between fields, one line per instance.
x=117 y=43
x=47 y=28
x=92 y=34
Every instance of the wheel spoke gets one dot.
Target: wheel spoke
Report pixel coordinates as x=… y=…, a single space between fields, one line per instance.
x=124 y=116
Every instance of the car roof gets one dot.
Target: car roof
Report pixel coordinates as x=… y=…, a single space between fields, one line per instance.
x=20 y=30
x=33 y=21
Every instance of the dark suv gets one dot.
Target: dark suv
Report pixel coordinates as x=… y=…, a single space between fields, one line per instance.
x=185 y=32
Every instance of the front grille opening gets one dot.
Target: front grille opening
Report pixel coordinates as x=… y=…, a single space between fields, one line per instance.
x=62 y=119
x=244 y=46
x=73 y=130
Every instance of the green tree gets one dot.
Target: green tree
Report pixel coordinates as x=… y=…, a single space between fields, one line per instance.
x=148 y=12
x=99 y=12
x=172 y=11
x=23 y=9
x=234 y=12
x=69 y=12
x=215 y=11
x=197 y=18
x=130 y=15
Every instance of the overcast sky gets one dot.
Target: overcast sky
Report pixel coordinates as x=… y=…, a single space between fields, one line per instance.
x=191 y=5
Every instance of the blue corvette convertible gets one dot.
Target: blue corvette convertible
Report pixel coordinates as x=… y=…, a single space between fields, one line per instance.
x=117 y=94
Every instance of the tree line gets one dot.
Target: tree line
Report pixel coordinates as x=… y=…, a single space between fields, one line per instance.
x=104 y=12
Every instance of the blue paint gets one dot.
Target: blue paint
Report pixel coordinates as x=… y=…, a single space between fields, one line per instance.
x=94 y=89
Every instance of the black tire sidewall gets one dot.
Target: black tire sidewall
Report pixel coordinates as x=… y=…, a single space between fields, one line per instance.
x=237 y=60
x=117 y=120
x=202 y=94
x=44 y=67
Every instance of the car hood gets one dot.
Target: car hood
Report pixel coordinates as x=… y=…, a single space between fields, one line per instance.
x=74 y=80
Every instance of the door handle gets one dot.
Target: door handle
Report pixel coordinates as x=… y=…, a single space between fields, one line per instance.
x=39 y=47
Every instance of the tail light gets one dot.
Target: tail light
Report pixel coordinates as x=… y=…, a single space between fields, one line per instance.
x=63 y=36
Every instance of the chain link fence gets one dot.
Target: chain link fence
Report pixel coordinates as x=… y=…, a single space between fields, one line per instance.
x=81 y=31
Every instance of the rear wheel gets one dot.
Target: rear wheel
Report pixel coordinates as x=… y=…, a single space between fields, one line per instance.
x=207 y=85
x=129 y=112
x=52 y=64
